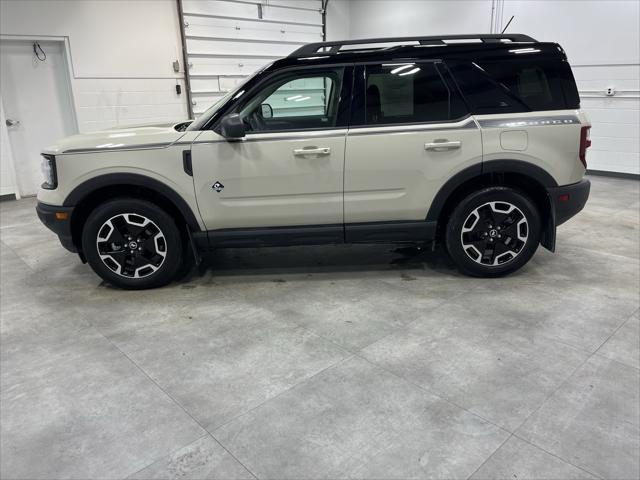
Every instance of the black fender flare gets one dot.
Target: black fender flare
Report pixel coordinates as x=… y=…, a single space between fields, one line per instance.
x=520 y=167
x=120 y=179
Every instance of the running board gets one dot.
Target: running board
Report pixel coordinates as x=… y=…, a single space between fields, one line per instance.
x=370 y=232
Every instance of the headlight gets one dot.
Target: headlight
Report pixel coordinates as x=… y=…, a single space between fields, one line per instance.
x=49 y=171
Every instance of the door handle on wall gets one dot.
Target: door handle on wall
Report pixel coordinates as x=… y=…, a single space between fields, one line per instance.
x=11 y=123
x=442 y=145
x=301 y=152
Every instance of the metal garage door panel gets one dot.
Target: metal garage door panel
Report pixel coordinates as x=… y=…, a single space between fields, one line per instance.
x=212 y=47
x=220 y=8
x=226 y=65
x=306 y=4
x=208 y=84
x=229 y=83
x=214 y=84
x=201 y=102
x=207 y=27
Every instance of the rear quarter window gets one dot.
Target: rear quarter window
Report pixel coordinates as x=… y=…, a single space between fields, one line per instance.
x=517 y=85
x=537 y=84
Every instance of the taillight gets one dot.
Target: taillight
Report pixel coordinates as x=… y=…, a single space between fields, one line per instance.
x=585 y=143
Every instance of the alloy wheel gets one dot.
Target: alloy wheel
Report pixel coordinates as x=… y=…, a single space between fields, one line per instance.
x=131 y=245
x=494 y=233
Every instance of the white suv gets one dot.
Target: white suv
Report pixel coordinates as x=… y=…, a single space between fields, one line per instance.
x=476 y=141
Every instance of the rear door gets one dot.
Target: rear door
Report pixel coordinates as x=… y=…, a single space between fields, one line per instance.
x=410 y=133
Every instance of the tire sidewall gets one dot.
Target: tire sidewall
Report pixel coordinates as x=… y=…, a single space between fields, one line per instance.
x=476 y=199
x=147 y=209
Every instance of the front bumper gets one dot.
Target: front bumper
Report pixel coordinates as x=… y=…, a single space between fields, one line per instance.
x=568 y=200
x=58 y=220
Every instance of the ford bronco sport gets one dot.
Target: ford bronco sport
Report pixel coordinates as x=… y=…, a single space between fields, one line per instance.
x=475 y=141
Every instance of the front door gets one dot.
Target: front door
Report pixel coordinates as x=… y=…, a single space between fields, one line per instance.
x=288 y=170
x=37 y=104
x=410 y=134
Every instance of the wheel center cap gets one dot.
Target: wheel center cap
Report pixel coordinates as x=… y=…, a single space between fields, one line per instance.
x=133 y=245
x=493 y=233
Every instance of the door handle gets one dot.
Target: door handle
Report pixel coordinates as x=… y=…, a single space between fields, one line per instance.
x=12 y=123
x=442 y=145
x=301 y=152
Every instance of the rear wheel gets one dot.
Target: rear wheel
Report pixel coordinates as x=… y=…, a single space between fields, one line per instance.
x=132 y=244
x=493 y=232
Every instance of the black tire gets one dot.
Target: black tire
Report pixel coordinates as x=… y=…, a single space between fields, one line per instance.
x=483 y=249
x=160 y=245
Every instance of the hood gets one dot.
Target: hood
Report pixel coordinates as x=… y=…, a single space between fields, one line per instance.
x=120 y=138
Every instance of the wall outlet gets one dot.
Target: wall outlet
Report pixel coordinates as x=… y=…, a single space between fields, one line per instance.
x=176 y=66
x=610 y=91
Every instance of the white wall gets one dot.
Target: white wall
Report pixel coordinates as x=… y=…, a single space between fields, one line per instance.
x=397 y=18
x=121 y=55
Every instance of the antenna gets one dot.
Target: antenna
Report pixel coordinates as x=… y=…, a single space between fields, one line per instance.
x=507 y=25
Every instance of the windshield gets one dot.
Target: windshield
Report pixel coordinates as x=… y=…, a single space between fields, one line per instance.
x=208 y=113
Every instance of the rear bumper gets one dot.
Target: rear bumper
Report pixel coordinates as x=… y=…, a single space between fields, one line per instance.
x=59 y=226
x=568 y=200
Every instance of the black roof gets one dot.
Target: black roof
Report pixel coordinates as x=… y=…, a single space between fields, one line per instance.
x=480 y=47
x=324 y=48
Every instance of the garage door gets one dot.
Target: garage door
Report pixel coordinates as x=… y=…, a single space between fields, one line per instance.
x=227 y=40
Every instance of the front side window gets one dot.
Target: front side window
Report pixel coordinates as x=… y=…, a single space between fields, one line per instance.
x=295 y=101
x=405 y=93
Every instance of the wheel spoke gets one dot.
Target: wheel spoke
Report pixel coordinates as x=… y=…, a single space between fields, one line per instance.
x=488 y=254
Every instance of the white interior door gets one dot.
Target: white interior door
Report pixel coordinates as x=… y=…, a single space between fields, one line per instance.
x=37 y=104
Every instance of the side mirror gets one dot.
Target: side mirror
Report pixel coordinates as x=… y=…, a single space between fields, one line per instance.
x=266 y=110
x=231 y=126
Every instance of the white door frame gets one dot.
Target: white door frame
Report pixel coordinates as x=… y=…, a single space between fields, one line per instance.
x=5 y=139
x=69 y=77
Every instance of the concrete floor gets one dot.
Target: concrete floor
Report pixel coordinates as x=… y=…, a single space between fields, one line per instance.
x=327 y=362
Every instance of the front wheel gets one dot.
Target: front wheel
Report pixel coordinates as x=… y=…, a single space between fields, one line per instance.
x=493 y=232
x=132 y=244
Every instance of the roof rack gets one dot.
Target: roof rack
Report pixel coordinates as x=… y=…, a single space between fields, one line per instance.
x=334 y=47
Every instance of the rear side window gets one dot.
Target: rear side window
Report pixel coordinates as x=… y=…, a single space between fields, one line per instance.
x=400 y=93
x=517 y=85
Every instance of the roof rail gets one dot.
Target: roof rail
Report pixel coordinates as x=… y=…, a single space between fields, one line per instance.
x=334 y=47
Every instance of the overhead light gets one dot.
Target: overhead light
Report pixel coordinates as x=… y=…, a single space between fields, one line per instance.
x=301 y=99
x=410 y=72
x=401 y=68
x=289 y=99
